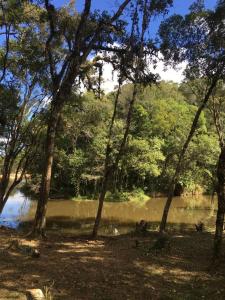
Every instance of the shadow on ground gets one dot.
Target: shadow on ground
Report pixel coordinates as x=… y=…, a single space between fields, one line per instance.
x=113 y=267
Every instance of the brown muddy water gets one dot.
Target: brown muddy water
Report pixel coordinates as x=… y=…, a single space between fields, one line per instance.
x=77 y=216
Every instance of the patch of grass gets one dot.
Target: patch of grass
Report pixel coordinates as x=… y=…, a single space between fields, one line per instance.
x=117 y=196
x=137 y=195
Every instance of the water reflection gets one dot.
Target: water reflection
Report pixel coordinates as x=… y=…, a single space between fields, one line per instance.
x=16 y=208
x=77 y=216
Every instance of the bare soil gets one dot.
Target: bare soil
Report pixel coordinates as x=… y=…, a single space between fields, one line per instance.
x=117 y=268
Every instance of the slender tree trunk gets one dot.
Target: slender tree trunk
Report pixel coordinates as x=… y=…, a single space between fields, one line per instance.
x=182 y=155
x=4 y=195
x=2 y=201
x=2 y=205
x=221 y=204
x=2 y=198
x=107 y=168
x=166 y=209
x=110 y=170
x=101 y=202
x=40 y=217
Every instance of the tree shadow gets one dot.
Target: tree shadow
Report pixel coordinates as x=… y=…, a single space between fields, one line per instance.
x=115 y=268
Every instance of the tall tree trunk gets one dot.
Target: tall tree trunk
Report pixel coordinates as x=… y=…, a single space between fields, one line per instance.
x=221 y=204
x=111 y=169
x=182 y=154
x=107 y=167
x=101 y=202
x=40 y=217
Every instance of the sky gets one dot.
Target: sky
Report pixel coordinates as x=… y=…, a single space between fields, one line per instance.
x=179 y=7
x=169 y=74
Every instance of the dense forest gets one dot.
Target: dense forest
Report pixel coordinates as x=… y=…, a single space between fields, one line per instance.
x=63 y=135
x=161 y=119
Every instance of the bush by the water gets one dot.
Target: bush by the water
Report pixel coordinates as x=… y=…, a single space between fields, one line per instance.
x=135 y=195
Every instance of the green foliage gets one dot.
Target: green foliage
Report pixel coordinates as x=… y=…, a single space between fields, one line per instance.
x=8 y=108
x=161 y=121
x=144 y=157
x=137 y=195
x=117 y=196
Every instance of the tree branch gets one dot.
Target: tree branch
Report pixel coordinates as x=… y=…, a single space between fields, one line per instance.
x=50 y=10
x=83 y=19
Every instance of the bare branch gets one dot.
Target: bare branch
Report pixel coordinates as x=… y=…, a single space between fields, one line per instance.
x=119 y=11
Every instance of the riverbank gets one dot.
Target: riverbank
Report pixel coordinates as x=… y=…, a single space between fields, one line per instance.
x=111 y=268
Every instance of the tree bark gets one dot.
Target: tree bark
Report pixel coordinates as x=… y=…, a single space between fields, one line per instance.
x=40 y=217
x=4 y=182
x=101 y=202
x=221 y=204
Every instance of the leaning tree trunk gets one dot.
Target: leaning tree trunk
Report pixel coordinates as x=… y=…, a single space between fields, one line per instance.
x=101 y=202
x=182 y=155
x=6 y=172
x=40 y=217
x=111 y=169
x=221 y=204
x=107 y=168
x=4 y=183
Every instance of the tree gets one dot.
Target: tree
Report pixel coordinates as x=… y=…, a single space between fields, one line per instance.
x=80 y=144
x=160 y=121
x=19 y=134
x=217 y=108
x=137 y=73
x=193 y=38
x=78 y=35
x=20 y=102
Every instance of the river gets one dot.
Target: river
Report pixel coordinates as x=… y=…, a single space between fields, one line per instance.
x=77 y=216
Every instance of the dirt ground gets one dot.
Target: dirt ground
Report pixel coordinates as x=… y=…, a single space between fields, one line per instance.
x=73 y=268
